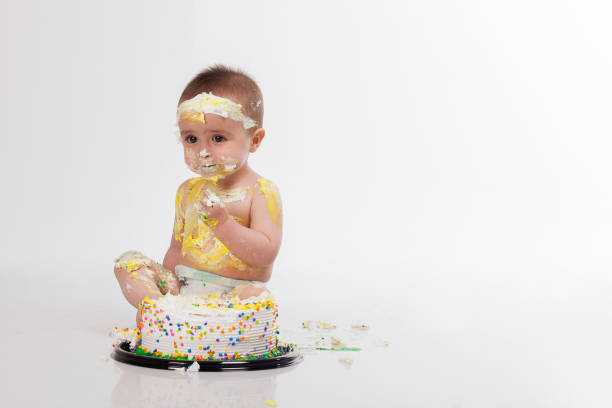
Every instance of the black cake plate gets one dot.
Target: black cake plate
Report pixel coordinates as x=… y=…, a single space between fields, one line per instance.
x=123 y=354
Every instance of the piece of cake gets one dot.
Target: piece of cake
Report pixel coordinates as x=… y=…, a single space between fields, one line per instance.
x=209 y=327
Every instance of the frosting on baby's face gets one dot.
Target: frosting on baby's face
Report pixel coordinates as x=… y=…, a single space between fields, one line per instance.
x=215 y=148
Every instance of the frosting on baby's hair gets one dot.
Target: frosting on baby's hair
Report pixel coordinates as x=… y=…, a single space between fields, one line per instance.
x=206 y=102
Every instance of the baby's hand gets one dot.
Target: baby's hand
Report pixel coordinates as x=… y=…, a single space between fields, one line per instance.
x=212 y=210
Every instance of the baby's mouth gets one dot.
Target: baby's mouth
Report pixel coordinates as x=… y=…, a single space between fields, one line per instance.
x=225 y=166
x=209 y=168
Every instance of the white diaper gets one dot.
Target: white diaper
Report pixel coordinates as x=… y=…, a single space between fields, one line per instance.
x=202 y=282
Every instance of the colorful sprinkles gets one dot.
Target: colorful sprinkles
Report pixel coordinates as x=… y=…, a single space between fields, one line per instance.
x=279 y=350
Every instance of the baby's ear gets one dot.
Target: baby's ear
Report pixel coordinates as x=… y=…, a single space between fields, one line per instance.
x=256 y=139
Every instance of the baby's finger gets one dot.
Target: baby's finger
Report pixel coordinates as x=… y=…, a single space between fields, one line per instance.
x=210 y=199
x=203 y=212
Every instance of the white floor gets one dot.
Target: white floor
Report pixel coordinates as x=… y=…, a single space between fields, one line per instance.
x=547 y=355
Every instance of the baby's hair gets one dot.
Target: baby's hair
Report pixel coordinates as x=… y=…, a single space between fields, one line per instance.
x=231 y=83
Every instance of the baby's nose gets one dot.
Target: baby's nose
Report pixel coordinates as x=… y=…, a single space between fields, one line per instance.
x=204 y=153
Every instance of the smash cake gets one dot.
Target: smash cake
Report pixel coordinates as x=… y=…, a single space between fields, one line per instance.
x=208 y=327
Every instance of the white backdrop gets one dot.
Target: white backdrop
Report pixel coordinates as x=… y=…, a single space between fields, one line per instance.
x=448 y=160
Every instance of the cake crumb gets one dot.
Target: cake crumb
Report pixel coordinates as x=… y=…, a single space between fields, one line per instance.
x=347 y=361
x=270 y=403
x=382 y=343
x=325 y=325
x=337 y=343
x=194 y=367
x=105 y=358
x=320 y=324
x=359 y=325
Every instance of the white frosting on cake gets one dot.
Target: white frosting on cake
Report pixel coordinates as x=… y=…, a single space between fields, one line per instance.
x=209 y=327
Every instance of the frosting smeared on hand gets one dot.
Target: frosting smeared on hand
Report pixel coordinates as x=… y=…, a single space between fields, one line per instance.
x=211 y=209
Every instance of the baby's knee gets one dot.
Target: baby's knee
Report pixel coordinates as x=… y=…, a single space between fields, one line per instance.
x=130 y=261
x=133 y=266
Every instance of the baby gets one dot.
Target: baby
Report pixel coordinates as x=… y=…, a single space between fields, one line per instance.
x=228 y=221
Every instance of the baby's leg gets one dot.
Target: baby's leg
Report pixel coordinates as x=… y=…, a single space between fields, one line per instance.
x=140 y=276
x=137 y=276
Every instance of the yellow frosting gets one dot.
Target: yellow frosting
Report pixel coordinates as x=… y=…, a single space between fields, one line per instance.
x=205 y=102
x=199 y=244
x=270 y=191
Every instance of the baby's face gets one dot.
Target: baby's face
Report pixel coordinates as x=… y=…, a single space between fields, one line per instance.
x=216 y=148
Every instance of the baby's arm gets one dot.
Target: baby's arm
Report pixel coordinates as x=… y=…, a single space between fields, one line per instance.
x=258 y=245
x=173 y=254
x=169 y=278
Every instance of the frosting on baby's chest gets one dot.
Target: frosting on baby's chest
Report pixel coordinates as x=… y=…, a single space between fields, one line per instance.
x=195 y=229
x=236 y=201
x=238 y=204
x=199 y=244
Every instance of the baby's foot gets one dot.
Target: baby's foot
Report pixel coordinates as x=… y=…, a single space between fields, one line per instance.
x=247 y=291
x=167 y=282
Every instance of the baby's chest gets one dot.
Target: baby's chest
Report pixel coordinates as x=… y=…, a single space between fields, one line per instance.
x=237 y=203
x=240 y=208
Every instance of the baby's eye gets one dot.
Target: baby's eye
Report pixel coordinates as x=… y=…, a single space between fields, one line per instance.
x=218 y=138
x=191 y=139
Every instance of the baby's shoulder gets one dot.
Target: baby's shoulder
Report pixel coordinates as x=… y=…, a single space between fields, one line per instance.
x=267 y=186
x=185 y=187
x=189 y=182
x=270 y=198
